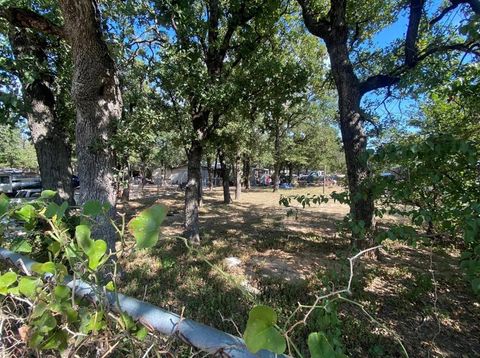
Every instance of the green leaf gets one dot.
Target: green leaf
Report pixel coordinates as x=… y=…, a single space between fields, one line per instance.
x=319 y=347
x=92 y=208
x=61 y=292
x=4 y=201
x=72 y=315
x=6 y=280
x=28 y=286
x=110 y=286
x=261 y=332
x=54 y=247
x=61 y=210
x=93 y=249
x=46 y=322
x=82 y=234
x=38 y=310
x=146 y=226
x=141 y=334
x=127 y=321
x=57 y=340
x=96 y=253
x=35 y=339
x=21 y=246
x=53 y=209
x=46 y=267
x=27 y=214
x=14 y=291
x=91 y=321
x=48 y=194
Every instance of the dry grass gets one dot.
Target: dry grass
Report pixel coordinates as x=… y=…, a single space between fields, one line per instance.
x=284 y=260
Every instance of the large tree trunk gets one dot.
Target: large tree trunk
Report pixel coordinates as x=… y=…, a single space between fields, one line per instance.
x=98 y=100
x=192 y=192
x=210 y=173
x=353 y=135
x=276 y=165
x=225 y=170
x=49 y=133
x=238 y=176
x=215 y=171
x=246 y=172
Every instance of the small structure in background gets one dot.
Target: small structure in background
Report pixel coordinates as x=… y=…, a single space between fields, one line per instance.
x=176 y=176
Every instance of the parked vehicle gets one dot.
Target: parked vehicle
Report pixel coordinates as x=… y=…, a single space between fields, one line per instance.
x=26 y=195
x=21 y=182
x=5 y=184
x=12 y=181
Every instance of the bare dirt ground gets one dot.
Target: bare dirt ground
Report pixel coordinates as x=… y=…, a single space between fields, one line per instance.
x=416 y=294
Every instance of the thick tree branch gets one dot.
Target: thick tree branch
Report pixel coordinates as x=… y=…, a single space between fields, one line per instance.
x=453 y=5
x=25 y=18
x=318 y=26
x=474 y=5
x=467 y=47
x=380 y=81
x=412 y=57
x=416 y=9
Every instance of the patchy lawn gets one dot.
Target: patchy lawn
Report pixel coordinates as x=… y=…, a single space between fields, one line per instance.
x=417 y=295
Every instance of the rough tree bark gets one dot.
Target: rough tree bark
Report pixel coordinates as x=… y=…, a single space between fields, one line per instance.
x=246 y=172
x=225 y=170
x=238 y=176
x=48 y=131
x=98 y=100
x=210 y=173
x=276 y=165
x=192 y=190
x=353 y=133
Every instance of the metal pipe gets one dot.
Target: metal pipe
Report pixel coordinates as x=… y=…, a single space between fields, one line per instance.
x=196 y=334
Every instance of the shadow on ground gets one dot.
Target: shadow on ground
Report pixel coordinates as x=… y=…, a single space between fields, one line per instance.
x=418 y=293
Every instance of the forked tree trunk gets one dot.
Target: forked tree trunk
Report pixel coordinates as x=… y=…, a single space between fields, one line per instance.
x=98 y=100
x=225 y=178
x=48 y=131
x=238 y=177
x=353 y=136
x=192 y=230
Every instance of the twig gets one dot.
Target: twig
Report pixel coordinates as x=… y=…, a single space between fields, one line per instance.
x=110 y=350
x=24 y=268
x=147 y=351
x=228 y=320
x=334 y=293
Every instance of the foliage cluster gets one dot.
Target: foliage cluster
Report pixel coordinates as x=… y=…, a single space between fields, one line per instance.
x=65 y=237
